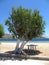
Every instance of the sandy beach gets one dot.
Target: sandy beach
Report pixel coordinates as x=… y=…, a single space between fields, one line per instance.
x=26 y=62
x=42 y=47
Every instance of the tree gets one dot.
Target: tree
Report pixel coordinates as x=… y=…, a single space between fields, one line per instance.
x=1 y=31
x=25 y=24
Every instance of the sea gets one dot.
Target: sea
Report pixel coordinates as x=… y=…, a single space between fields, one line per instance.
x=22 y=39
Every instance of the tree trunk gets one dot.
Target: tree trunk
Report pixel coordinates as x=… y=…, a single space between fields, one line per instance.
x=19 y=50
x=17 y=45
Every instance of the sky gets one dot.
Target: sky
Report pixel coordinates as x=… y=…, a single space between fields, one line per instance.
x=41 y=5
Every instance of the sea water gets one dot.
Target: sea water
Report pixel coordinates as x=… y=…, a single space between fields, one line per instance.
x=32 y=40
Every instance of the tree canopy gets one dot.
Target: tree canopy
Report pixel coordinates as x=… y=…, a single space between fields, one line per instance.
x=25 y=23
x=1 y=31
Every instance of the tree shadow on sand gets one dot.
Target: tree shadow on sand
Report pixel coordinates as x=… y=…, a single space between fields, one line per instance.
x=32 y=52
x=28 y=52
x=10 y=55
x=4 y=56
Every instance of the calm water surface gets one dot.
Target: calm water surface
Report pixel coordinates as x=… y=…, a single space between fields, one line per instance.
x=32 y=40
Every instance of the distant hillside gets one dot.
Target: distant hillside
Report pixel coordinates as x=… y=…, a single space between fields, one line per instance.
x=11 y=36
x=7 y=36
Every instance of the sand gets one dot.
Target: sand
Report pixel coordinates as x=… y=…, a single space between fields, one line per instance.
x=26 y=62
x=42 y=47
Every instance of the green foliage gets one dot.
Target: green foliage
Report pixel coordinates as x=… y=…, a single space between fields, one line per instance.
x=1 y=31
x=25 y=23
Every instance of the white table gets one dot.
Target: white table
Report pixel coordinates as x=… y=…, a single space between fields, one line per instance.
x=32 y=46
